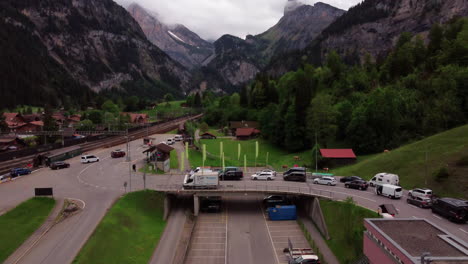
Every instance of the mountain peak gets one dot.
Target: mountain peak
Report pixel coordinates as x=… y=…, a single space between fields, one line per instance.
x=292 y=5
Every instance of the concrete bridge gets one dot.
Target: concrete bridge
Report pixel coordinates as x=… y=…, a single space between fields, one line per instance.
x=307 y=198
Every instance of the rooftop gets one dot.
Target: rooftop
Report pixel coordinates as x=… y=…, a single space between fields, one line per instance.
x=338 y=153
x=413 y=237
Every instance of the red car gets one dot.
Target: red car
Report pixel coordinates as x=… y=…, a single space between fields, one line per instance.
x=118 y=153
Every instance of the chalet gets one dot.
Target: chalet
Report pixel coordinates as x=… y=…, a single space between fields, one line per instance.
x=160 y=155
x=246 y=133
x=11 y=143
x=233 y=125
x=59 y=118
x=14 y=121
x=337 y=157
x=32 y=118
x=207 y=135
x=73 y=119
x=137 y=118
x=30 y=127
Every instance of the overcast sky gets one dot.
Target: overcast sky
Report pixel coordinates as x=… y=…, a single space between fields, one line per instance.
x=213 y=18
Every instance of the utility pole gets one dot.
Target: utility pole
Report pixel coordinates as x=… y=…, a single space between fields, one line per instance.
x=425 y=168
x=316 y=165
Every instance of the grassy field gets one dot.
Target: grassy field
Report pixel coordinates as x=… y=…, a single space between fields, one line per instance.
x=19 y=223
x=150 y=169
x=345 y=226
x=276 y=156
x=174 y=131
x=174 y=159
x=410 y=162
x=170 y=109
x=129 y=232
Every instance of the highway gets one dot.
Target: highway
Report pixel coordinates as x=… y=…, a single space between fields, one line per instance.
x=98 y=185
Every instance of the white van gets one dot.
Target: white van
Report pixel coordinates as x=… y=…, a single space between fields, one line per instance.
x=388 y=190
x=89 y=158
x=178 y=138
x=384 y=178
x=170 y=141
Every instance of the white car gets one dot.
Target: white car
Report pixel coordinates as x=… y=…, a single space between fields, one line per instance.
x=420 y=192
x=325 y=181
x=89 y=159
x=178 y=138
x=263 y=176
x=170 y=141
x=267 y=171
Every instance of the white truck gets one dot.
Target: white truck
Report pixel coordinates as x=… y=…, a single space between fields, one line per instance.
x=384 y=178
x=201 y=180
x=388 y=190
x=301 y=255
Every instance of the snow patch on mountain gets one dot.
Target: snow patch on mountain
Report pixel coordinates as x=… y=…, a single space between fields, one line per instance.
x=175 y=36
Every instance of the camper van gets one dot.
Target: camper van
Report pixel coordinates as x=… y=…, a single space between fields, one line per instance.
x=388 y=190
x=384 y=178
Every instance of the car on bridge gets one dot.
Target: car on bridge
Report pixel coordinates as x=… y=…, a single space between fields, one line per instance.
x=422 y=202
x=330 y=181
x=59 y=165
x=357 y=184
x=268 y=171
x=263 y=176
x=420 y=192
x=19 y=171
x=89 y=159
x=455 y=210
x=350 y=178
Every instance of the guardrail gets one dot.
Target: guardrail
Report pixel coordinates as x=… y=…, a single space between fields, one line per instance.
x=264 y=188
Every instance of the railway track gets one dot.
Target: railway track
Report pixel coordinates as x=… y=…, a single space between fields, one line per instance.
x=6 y=166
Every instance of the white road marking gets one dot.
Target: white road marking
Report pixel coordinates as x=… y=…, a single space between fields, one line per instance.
x=84 y=204
x=464 y=231
x=436 y=216
x=269 y=234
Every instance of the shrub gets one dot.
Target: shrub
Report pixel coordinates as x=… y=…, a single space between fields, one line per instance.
x=441 y=174
x=463 y=161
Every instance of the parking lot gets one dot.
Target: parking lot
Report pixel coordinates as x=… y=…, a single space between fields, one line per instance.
x=208 y=245
x=280 y=231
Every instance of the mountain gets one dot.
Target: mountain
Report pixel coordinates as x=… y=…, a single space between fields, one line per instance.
x=90 y=45
x=237 y=61
x=373 y=27
x=177 y=41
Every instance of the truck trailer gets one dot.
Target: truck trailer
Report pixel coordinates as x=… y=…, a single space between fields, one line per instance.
x=282 y=212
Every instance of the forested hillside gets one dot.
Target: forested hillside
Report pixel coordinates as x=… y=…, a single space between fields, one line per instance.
x=416 y=91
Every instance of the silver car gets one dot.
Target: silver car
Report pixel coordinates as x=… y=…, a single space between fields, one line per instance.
x=330 y=181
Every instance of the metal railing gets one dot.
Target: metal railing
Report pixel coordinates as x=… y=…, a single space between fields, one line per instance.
x=263 y=188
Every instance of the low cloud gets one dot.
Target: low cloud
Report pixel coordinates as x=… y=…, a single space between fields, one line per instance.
x=213 y=18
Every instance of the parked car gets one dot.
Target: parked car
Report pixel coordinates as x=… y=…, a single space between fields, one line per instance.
x=384 y=178
x=387 y=210
x=422 y=202
x=4 y=177
x=59 y=165
x=263 y=176
x=89 y=158
x=211 y=204
x=295 y=176
x=19 y=171
x=230 y=174
x=455 y=210
x=118 y=153
x=350 y=178
x=170 y=141
x=357 y=184
x=388 y=190
x=178 y=138
x=325 y=181
x=420 y=192
x=274 y=200
x=268 y=171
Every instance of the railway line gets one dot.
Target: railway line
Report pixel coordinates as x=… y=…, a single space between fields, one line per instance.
x=104 y=143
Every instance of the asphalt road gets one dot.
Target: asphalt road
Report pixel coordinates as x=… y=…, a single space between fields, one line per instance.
x=100 y=184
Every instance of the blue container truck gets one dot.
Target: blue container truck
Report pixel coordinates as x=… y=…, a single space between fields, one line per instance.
x=282 y=212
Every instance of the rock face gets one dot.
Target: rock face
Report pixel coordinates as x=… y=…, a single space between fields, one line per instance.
x=177 y=41
x=237 y=61
x=98 y=44
x=373 y=27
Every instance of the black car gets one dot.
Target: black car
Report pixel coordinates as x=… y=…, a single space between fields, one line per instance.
x=422 y=202
x=211 y=204
x=274 y=200
x=59 y=165
x=350 y=178
x=295 y=176
x=455 y=210
x=294 y=170
x=357 y=184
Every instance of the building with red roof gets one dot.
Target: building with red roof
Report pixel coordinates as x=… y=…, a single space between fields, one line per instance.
x=246 y=133
x=337 y=157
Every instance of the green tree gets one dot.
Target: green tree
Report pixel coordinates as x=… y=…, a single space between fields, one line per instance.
x=109 y=106
x=3 y=124
x=204 y=127
x=168 y=97
x=49 y=122
x=131 y=104
x=95 y=116
x=322 y=119
x=85 y=125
